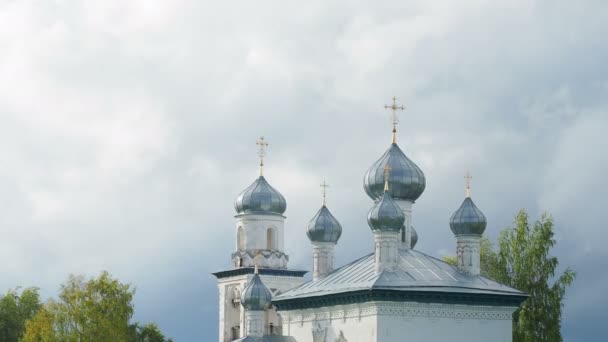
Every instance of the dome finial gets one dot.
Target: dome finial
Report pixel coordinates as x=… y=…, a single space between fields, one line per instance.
x=467 y=180
x=261 y=153
x=394 y=108
x=387 y=173
x=256 y=261
x=324 y=186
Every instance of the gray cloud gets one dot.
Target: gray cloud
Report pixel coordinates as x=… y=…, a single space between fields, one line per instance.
x=128 y=128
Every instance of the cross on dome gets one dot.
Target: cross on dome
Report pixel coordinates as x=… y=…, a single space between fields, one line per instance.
x=256 y=261
x=467 y=180
x=324 y=186
x=394 y=108
x=387 y=173
x=262 y=153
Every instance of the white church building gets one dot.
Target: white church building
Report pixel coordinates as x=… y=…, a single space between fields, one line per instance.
x=395 y=293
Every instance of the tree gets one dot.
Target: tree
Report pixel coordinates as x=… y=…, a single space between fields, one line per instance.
x=147 y=333
x=95 y=310
x=523 y=262
x=15 y=310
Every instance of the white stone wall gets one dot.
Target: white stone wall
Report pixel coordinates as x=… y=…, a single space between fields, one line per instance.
x=327 y=325
x=230 y=316
x=406 y=207
x=398 y=322
x=386 y=250
x=467 y=253
x=255 y=229
x=322 y=259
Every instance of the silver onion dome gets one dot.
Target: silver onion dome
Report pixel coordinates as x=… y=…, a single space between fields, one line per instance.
x=386 y=215
x=324 y=227
x=406 y=179
x=260 y=197
x=256 y=296
x=468 y=219
x=413 y=237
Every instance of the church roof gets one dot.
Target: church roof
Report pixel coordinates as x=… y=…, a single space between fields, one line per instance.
x=419 y=277
x=269 y=338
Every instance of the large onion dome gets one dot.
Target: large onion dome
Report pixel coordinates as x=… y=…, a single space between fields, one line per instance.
x=468 y=219
x=386 y=215
x=260 y=197
x=406 y=179
x=324 y=227
x=413 y=237
x=256 y=295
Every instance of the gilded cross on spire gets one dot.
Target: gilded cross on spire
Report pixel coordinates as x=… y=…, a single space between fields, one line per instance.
x=324 y=186
x=256 y=261
x=467 y=180
x=262 y=144
x=387 y=173
x=394 y=109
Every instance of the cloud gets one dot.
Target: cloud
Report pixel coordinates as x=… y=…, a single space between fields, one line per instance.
x=129 y=128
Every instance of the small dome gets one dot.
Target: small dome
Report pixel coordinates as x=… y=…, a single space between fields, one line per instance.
x=260 y=197
x=413 y=237
x=468 y=220
x=324 y=227
x=386 y=215
x=256 y=295
x=406 y=179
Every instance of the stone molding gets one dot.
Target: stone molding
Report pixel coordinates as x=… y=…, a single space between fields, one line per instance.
x=457 y=312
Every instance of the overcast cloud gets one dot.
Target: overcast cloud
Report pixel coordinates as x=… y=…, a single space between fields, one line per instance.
x=128 y=127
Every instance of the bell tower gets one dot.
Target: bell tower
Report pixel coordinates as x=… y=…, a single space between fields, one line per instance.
x=259 y=236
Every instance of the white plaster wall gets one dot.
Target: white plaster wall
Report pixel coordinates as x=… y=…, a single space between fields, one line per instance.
x=355 y=329
x=406 y=207
x=434 y=329
x=398 y=322
x=229 y=316
x=255 y=227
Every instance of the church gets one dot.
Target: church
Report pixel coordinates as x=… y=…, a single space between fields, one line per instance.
x=395 y=293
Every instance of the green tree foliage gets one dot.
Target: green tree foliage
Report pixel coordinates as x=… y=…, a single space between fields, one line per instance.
x=147 y=333
x=94 y=310
x=15 y=309
x=522 y=261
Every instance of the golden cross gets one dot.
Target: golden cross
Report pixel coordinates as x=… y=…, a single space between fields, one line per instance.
x=394 y=109
x=324 y=186
x=262 y=153
x=467 y=180
x=387 y=173
x=256 y=261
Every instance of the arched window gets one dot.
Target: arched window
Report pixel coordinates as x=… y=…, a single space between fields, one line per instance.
x=270 y=238
x=240 y=238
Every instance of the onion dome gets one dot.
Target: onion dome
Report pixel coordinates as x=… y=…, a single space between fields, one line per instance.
x=468 y=220
x=324 y=227
x=406 y=179
x=256 y=296
x=260 y=197
x=386 y=215
x=413 y=237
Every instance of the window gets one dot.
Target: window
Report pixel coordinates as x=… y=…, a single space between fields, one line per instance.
x=236 y=332
x=270 y=238
x=240 y=238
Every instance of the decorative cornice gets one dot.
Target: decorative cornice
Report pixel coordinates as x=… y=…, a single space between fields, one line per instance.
x=262 y=271
x=261 y=216
x=429 y=297
x=405 y=309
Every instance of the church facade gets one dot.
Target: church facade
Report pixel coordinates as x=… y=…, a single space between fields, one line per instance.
x=395 y=293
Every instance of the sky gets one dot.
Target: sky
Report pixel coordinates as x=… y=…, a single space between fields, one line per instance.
x=127 y=128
